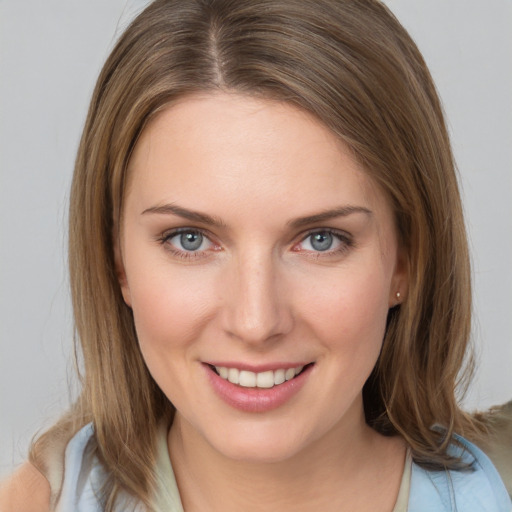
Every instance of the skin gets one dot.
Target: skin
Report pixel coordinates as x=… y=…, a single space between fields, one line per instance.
x=258 y=291
x=26 y=490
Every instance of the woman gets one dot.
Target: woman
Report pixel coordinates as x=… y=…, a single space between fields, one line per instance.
x=269 y=273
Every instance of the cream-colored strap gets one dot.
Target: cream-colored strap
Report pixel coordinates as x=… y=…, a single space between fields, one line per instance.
x=402 y=500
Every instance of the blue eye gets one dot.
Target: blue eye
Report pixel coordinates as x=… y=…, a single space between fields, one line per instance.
x=326 y=241
x=189 y=241
x=321 y=241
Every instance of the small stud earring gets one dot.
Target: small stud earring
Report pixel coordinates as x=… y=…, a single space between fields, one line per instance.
x=398 y=295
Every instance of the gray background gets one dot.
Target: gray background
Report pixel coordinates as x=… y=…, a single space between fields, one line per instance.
x=50 y=55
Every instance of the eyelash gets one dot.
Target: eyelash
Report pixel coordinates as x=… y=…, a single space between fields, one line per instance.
x=182 y=254
x=346 y=242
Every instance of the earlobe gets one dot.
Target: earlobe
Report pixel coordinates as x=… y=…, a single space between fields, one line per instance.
x=400 y=281
x=397 y=294
x=121 y=273
x=396 y=299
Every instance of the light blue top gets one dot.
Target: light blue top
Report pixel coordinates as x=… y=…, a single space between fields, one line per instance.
x=480 y=490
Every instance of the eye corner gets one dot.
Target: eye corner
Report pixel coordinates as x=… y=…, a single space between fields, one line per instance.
x=295 y=247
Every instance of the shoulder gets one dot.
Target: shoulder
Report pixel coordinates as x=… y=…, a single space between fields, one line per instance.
x=479 y=488
x=64 y=463
x=26 y=490
x=496 y=443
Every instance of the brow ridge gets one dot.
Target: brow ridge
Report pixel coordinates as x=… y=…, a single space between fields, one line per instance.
x=342 y=211
x=204 y=218
x=192 y=215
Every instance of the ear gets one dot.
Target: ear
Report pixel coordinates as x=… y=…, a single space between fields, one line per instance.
x=121 y=271
x=400 y=280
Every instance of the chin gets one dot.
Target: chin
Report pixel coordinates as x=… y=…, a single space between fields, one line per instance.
x=270 y=444
x=248 y=451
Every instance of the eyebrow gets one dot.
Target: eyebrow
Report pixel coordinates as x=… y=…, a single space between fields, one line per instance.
x=342 y=211
x=185 y=213
x=204 y=218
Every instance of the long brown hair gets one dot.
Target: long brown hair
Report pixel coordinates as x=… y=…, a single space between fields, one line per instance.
x=351 y=64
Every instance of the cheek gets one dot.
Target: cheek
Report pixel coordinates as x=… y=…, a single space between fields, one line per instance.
x=169 y=307
x=170 y=311
x=349 y=311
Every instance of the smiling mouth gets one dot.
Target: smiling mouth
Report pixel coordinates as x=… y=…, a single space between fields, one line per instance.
x=264 y=380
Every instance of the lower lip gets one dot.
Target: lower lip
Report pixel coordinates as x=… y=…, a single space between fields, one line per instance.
x=256 y=399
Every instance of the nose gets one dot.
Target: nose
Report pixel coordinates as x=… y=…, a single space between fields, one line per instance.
x=256 y=306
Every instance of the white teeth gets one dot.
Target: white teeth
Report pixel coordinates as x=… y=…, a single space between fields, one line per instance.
x=265 y=379
x=279 y=377
x=233 y=375
x=223 y=371
x=289 y=374
x=249 y=379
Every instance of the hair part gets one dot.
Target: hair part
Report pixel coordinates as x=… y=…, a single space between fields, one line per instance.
x=353 y=66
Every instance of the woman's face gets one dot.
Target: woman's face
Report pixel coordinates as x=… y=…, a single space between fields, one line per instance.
x=254 y=248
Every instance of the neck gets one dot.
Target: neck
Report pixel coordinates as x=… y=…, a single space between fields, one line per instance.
x=330 y=473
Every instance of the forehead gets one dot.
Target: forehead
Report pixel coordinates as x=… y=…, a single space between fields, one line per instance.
x=242 y=151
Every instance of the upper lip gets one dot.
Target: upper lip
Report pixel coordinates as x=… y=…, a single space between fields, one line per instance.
x=258 y=368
